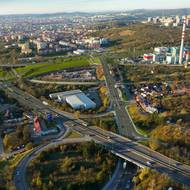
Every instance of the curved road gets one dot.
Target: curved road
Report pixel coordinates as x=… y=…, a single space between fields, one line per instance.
x=19 y=176
x=125 y=148
x=65 y=82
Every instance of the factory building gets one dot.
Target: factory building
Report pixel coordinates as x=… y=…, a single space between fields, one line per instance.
x=61 y=96
x=75 y=98
x=170 y=59
x=80 y=101
x=158 y=58
x=160 y=50
x=148 y=57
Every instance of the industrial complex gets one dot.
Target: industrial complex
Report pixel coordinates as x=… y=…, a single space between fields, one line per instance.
x=171 y=55
x=76 y=99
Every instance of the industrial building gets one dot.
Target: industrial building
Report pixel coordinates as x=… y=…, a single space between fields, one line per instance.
x=80 y=101
x=171 y=55
x=148 y=57
x=75 y=98
x=61 y=96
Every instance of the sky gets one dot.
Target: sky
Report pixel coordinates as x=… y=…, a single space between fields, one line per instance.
x=52 y=6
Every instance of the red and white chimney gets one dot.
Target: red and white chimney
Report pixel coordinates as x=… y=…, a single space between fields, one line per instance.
x=182 y=41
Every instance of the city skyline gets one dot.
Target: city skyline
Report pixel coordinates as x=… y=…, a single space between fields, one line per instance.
x=47 y=6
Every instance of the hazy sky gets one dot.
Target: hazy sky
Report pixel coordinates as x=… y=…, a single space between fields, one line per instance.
x=43 y=6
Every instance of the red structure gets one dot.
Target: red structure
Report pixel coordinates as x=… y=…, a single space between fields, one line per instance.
x=148 y=57
x=37 y=127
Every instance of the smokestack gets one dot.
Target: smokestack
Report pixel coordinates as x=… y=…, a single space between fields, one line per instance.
x=182 y=41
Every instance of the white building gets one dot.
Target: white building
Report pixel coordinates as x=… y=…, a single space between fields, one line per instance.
x=80 y=101
x=61 y=96
x=160 y=50
x=75 y=98
x=41 y=45
x=79 y=52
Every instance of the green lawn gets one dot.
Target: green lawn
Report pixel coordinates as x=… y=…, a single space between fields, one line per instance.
x=37 y=69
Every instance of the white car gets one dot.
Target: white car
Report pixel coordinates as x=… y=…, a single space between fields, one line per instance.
x=149 y=163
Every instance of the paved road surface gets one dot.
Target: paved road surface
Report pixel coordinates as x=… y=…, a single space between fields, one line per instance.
x=122 y=177
x=65 y=82
x=136 y=153
x=20 y=172
x=122 y=147
x=126 y=125
x=1 y=146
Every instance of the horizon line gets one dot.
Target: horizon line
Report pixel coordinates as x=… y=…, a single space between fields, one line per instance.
x=90 y=12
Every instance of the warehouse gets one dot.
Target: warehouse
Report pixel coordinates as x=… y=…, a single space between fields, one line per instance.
x=75 y=98
x=61 y=96
x=80 y=101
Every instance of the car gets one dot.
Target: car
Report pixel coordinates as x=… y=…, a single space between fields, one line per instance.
x=149 y=163
x=176 y=164
x=128 y=185
x=17 y=173
x=92 y=135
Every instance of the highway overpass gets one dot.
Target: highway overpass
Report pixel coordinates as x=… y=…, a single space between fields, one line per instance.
x=122 y=147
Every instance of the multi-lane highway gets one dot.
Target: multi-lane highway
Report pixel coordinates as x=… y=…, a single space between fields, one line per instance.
x=134 y=152
x=119 y=145
x=125 y=123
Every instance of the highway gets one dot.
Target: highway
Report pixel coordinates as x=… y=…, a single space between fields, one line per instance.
x=125 y=123
x=122 y=147
x=25 y=99
x=122 y=177
x=134 y=152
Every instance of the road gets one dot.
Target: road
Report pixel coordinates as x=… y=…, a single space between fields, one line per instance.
x=66 y=82
x=134 y=152
x=122 y=177
x=122 y=147
x=12 y=65
x=125 y=123
x=30 y=101
x=1 y=146
x=19 y=177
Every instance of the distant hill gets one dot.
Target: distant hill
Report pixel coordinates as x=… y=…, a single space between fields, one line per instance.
x=139 y=12
x=159 y=12
x=142 y=38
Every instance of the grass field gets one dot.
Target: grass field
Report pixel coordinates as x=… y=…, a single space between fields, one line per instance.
x=37 y=69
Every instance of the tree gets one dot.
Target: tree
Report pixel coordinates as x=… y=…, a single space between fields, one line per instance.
x=26 y=134
x=154 y=144
x=67 y=164
x=77 y=114
x=38 y=181
x=100 y=176
x=11 y=140
x=29 y=146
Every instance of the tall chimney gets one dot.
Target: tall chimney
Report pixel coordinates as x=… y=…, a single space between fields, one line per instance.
x=182 y=41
